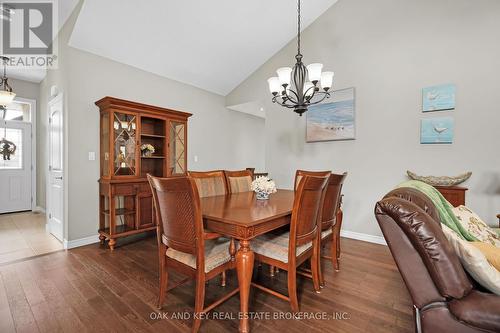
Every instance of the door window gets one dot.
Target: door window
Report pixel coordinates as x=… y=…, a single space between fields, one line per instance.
x=11 y=148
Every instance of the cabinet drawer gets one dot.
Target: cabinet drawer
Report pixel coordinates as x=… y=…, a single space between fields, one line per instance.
x=127 y=189
x=144 y=188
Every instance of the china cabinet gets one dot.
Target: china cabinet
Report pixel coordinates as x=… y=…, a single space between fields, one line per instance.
x=135 y=139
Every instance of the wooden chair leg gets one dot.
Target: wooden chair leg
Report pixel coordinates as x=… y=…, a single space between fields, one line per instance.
x=338 y=227
x=199 y=303
x=315 y=266
x=334 y=249
x=223 y=279
x=271 y=270
x=321 y=275
x=163 y=276
x=292 y=289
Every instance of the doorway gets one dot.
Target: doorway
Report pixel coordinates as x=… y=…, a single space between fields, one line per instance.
x=55 y=177
x=22 y=224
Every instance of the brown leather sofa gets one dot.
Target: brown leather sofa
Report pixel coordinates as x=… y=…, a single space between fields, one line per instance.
x=444 y=298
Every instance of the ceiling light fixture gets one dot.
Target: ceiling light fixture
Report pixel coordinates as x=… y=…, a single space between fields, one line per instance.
x=298 y=87
x=6 y=94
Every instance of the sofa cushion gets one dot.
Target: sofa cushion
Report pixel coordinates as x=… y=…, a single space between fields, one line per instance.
x=479 y=310
x=275 y=246
x=216 y=254
x=474 y=262
x=474 y=225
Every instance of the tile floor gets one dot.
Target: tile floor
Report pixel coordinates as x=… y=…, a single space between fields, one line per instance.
x=23 y=235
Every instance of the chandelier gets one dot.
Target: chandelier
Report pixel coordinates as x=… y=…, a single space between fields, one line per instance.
x=298 y=87
x=6 y=94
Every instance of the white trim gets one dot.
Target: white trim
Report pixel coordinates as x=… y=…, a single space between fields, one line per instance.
x=39 y=209
x=33 y=119
x=363 y=237
x=80 y=242
x=53 y=100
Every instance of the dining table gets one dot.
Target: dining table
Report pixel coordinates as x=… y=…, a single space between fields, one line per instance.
x=241 y=216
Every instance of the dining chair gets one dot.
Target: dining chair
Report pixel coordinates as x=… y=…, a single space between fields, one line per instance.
x=209 y=184
x=239 y=181
x=331 y=217
x=183 y=244
x=257 y=174
x=288 y=250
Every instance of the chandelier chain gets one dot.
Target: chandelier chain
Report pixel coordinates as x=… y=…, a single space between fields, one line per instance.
x=298 y=27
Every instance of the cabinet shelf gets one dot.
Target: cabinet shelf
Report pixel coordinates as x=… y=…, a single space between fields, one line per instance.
x=121 y=211
x=153 y=157
x=124 y=230
x=153 y=136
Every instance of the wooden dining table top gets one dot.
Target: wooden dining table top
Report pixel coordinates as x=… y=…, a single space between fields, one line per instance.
x=244 y=210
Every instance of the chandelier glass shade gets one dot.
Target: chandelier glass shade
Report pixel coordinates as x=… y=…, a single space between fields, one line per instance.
x=298 y=87
x=6 y=94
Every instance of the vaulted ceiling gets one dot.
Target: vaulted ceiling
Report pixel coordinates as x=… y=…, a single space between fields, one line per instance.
x=213 y=45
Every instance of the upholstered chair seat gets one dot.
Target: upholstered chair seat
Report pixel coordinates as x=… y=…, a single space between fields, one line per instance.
x=326 y=233
x=216 y=254
x=277 y=246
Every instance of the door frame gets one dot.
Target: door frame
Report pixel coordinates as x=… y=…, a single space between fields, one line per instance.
x=33 y=113
x=55 y=99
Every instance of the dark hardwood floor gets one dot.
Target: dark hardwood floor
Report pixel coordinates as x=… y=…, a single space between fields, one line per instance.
x=92 y=289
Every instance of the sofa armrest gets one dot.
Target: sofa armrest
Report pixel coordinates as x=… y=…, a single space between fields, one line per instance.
x=478 y=309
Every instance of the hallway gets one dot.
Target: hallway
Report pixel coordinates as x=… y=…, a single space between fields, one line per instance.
x=23 y=235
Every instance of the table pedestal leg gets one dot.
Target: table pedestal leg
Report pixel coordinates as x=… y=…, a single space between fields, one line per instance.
x=244 y=266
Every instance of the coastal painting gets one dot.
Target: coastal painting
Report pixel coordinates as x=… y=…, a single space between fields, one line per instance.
x=437 y=130
x=333 y=120
x=439 y=98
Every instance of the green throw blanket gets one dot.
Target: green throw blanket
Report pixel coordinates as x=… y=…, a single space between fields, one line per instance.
x=444 y=208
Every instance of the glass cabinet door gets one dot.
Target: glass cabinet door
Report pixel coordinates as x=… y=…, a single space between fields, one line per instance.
x=105 y=144
x=125 y=144
x=177 y=151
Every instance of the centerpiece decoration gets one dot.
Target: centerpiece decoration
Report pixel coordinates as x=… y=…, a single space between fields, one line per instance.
x=263 y=186
x=147 y=150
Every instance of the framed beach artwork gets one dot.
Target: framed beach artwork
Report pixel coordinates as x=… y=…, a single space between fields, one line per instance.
x=333 y=120
x=437 y=130
x=438 y=98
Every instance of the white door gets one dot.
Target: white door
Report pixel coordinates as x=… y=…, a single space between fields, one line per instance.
x=15 y=168
x=55 y=181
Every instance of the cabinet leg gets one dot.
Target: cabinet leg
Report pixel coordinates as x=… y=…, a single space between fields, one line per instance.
x=112 y=243
x=102 y=239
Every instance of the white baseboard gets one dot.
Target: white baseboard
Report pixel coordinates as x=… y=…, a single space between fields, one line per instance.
x=39 y=209
x=344 y=233
x=80 y=242
x=363 y=237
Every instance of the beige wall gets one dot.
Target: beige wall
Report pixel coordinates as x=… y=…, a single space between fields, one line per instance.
x=219 y=137
x=389 y=50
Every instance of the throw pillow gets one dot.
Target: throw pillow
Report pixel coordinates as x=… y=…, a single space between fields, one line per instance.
x=474 y=262
x=492 y=253
x=474 y=225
